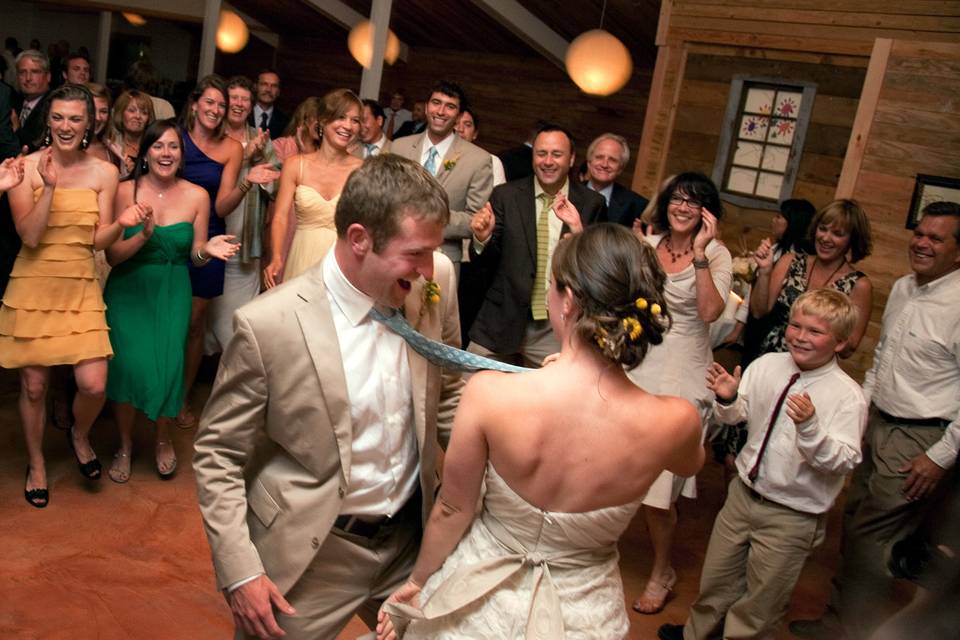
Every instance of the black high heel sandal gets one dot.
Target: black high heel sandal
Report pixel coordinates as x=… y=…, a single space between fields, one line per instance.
x=38 y=498
x=91 y=469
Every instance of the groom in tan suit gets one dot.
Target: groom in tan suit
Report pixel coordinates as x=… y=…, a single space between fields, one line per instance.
x=316 y=453
x=462 y=169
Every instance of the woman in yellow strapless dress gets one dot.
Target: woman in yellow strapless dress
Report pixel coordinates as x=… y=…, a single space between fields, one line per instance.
x=52 y=311
x=312 y=183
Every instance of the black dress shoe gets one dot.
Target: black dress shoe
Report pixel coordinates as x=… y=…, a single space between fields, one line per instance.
x=815 y=630
x=670 y=632
x=38 y=498
x=90 y=469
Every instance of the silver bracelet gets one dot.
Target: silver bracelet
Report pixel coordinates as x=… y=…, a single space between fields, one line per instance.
x=701 y=264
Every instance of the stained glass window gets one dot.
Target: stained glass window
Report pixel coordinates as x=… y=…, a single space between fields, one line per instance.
x=760 y=151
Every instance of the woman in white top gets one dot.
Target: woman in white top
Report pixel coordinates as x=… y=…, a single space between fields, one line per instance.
x=698 y=272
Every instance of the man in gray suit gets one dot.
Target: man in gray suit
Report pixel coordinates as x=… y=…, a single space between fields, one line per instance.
x=316 y=453
x=462 y=169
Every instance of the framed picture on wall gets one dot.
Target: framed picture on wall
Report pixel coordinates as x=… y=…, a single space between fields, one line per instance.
x=931 y=189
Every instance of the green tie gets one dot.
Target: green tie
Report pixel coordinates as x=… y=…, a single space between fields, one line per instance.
x=538 y=300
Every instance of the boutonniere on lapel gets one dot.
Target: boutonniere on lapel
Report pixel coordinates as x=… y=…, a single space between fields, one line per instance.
x=429 y=297
x=450 y=163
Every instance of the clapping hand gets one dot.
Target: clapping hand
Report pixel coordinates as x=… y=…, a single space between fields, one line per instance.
x=11 y=173
x=222 y=247
x=134 y=215
x=567 y=213
x=149 y=224
x=638 y=228
x=707 y=232
x=721 y=382
x=262 y=174
x=408 y=593
x=256 y=145
x=800 y=407
x=46 y=168
x=764 y=256
x=482 y=223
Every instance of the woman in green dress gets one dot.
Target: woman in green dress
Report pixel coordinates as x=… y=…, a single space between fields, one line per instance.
x=148 y=294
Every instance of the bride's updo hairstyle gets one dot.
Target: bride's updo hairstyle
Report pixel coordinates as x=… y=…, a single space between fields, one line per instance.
x=617 y=283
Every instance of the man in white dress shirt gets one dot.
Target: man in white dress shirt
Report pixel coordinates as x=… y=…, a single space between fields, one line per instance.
x=914 y=432
x=316 y=453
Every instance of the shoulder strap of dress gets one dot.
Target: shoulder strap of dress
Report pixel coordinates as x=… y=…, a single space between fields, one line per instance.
x=300 y=171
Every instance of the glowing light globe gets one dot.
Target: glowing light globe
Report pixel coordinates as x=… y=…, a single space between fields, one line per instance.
x=232 y=34
x=360 y=44
x=598 y=63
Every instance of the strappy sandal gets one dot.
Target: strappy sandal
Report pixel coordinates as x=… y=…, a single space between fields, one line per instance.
x=185 y=419
x=655 y=595
x=166 y=473
x=120 y=469
x=38 y=498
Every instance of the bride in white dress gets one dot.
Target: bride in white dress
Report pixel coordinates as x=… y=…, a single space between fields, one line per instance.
x=567 y=453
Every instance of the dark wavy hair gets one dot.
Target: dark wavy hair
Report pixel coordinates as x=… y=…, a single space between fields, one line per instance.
x=617 y=283
x=152 y=133
x=693 y=185
x=68 y=93
x=798 y=214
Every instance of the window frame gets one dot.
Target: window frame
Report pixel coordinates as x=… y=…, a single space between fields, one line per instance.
x=731 y=127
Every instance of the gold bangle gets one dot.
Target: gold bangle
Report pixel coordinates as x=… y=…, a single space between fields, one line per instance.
x=245 y=185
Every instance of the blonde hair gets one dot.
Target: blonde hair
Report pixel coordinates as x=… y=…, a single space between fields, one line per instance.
x=832 y=307
x=115 y=129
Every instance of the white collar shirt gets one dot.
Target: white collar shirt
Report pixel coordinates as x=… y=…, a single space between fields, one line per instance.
x=378 y=145
x=385 y=467
x=442 y=148
x=916 y=366
x=804 y=465
x=258 y=112
x=606 y=192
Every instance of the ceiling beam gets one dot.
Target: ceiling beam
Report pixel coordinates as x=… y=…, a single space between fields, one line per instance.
x=346 y=17
x=528 y=27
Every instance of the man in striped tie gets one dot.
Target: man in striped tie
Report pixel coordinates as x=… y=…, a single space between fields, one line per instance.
x=514 y=238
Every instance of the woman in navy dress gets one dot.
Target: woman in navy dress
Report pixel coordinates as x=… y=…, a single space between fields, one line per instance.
x=211 y=160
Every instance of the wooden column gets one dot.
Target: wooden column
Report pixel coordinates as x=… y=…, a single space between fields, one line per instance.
x=103 y=46
x=380 y=20
x=208 y=41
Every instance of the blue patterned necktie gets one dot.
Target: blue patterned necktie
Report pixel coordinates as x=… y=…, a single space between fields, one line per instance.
x=370 y=149
x=431 y=163
x=440 y=354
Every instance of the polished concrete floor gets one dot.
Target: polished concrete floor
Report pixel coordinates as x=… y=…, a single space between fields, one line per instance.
x=110 y=561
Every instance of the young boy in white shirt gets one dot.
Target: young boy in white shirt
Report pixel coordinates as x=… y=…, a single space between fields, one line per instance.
x=805 y=419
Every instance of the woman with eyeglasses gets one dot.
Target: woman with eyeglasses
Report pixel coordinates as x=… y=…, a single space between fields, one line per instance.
x=698 y=270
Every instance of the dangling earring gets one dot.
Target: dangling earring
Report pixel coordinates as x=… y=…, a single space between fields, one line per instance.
x=143 y=165
x=85 y=140
x=47 y=138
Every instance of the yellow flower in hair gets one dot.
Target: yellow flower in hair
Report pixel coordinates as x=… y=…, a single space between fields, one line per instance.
x=641 y=304
x=632 y=327
x=601 y=337
x=655 y=309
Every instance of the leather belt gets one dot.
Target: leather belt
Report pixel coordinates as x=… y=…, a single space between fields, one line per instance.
x=914 y=422
x=373 y=526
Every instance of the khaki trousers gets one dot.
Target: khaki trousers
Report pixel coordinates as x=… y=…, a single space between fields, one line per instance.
x=876 y=516
x=349 y=575
x=754 y=558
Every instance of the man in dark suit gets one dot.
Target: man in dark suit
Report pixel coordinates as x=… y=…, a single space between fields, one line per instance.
x=416 y=124
x=607 y=156
x=33 y=79
x=515 y=235
x=265 y=113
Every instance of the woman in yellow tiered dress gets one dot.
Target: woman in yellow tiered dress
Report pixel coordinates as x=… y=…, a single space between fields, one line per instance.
x=52 y=311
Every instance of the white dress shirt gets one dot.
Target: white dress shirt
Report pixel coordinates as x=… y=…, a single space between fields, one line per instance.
x=606 y=192
x=916 y=366
x=385 y=466
x=804 y=464
x=499 y=174
x=442 y=148
x=258 y=115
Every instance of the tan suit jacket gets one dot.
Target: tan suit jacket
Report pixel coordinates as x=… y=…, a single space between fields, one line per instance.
x=466 y=174
x=272 y=454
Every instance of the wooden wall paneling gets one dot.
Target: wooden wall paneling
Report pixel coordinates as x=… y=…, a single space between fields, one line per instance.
x=890 y=20
x=870 y=94
x=913 y=7
x=849 y=47
x=658 y=120
x=779 y=54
